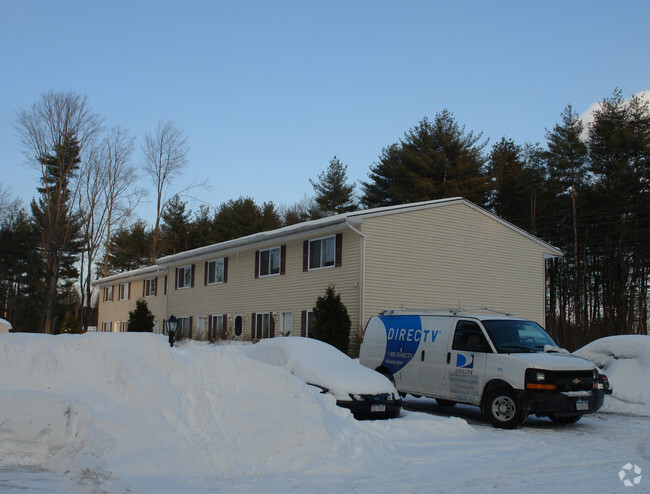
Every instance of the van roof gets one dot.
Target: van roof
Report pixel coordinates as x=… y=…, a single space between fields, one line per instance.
x=482 y=313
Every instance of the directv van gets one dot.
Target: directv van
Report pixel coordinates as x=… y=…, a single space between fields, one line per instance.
x=509 y=367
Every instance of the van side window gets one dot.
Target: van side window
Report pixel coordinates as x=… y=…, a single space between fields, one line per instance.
x=469 y=338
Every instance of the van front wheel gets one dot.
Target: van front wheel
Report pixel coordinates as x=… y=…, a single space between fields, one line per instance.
x=502 y=409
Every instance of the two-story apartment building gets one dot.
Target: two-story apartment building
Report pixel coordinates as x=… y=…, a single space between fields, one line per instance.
x=431 y=254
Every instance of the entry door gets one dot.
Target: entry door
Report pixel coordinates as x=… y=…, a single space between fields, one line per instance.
x=466 y=363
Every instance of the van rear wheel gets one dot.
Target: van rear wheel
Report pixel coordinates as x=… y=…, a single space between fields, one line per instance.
x=502 y=409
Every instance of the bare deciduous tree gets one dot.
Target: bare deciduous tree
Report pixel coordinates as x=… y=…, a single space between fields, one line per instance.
x=108 y=199
x=165 y=155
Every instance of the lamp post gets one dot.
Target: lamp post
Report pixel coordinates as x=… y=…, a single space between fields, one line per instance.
x=172 y=323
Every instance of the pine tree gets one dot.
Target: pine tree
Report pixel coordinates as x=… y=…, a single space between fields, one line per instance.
x=130 y=248
x=333 y=194
x=57 y=223
x=331 y=320
x=175 y=227
x=509 y=198
x=434 y=160
x=241 y=217
x=141 y=319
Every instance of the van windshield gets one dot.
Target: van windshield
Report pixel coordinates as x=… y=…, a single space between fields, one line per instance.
x=512 y=336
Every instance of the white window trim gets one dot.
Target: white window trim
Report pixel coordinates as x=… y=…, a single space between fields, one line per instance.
x=152 y=287
x=286 y=331
x=181 y=322
x=321 y=239
x=259 y=268
x=123 y=294
x=216 y=262
x=257 y=325
x=183 y=269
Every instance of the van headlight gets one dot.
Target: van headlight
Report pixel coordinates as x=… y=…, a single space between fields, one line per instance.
x=538 y=380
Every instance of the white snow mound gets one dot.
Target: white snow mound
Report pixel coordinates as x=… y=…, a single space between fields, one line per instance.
x=625 y=359
x=127 y=404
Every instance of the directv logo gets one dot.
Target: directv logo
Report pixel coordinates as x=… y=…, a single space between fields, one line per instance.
x=463 y=362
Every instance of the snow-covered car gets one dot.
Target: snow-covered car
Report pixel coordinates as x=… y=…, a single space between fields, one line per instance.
x=626 y=361
x=366 y=393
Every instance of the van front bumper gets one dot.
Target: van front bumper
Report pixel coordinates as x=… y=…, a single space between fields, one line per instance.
x=544 y=403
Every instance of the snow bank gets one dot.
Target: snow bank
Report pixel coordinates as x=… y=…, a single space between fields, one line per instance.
x=104 y=405
x=625 y=360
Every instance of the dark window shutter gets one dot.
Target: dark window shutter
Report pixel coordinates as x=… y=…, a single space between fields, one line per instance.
x=176 y=281
x=225 y=269
x=271 y=326
x=283 y=259
x=165 y=287
x=205 y=274
x=193 y=270
x=191 y=320
x=339 y=250
x=155 y=287
x=144 y=284
x=303 y=323
x=305 y=255
x=257 y=264
x=253 y=321
x=129 y=297
x=210 y=327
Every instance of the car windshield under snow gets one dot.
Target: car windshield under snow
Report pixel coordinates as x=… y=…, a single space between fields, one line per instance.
x=516 y=336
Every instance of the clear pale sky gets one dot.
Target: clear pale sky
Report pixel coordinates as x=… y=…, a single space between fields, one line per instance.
x=268 y=92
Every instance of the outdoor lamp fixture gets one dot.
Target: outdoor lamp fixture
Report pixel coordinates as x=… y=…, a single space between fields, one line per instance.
x=172 y=323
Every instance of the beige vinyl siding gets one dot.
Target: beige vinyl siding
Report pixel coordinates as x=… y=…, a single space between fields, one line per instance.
x=446 y=256
x=293 y=291
x=118 y=310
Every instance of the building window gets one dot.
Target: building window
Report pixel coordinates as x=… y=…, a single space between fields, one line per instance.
x=124 y=293
x=322 y=252
x=217 y=326
x=262 y=328
x=150 y=287
x=183 y=328
x=215 y=271
x=306 y=322
x=287 y=323
x=107 y=326
x=184 y=277
x=200 y=328
x=269 y=262
x=124 y=326
x=108 y=294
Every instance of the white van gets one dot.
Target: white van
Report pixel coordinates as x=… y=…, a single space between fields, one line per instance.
x=509 y=367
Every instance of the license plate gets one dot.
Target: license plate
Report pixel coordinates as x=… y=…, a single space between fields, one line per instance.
x=377 y=408
x=582 y=405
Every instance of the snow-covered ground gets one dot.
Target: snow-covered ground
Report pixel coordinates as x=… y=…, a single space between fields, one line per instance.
x=126 y=413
